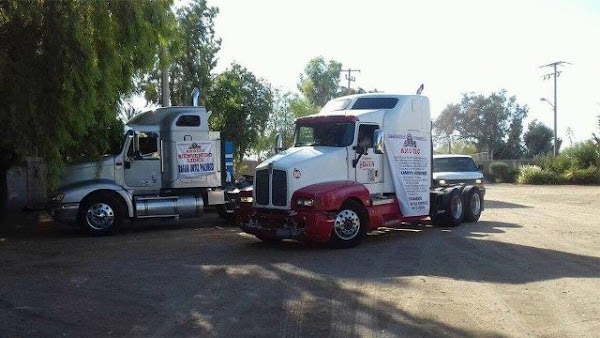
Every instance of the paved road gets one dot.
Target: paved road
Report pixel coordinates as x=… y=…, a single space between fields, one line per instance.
x=530 y=267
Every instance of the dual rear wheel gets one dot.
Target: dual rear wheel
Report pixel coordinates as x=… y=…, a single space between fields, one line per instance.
x=459 y=204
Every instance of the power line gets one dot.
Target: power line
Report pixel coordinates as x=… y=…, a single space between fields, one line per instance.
x=555 y=74
x=349 y=76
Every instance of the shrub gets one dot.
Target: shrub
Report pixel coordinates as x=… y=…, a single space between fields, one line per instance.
x=590 y=175
x=500 y=171
x=533 y=174
x=581 y=156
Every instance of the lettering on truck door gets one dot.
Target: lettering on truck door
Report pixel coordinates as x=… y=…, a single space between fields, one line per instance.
x=369 y=169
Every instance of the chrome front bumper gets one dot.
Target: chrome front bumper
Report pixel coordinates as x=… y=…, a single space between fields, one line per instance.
x=64 y=213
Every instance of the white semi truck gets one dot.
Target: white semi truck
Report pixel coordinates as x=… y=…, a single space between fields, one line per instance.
x=363 y=162
x=169 y=166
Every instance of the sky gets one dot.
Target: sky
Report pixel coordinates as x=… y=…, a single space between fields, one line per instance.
x=452 y=47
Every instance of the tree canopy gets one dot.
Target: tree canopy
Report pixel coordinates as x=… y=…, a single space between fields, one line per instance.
x=189 y=57
x=494 y=123
x=538 y=139
x=320 y=81
x=64 y=65
x=241 y=104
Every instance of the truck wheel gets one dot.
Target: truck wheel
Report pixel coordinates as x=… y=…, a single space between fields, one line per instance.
x=454 y=210
x=472 y=198
x=224 y=213
x=349 y=226
x=100 y=215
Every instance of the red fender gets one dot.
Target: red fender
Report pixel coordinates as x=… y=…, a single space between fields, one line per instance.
x=330 y=196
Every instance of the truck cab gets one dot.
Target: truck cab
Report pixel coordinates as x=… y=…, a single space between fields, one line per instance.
x=169 y=166
x=364 y=161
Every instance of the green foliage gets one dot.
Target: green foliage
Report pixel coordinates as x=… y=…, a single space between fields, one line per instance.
x=493 y=123
x=533 y=174
x=590 y=175
x=457 y=147
x=188 y=54
x=241 y=104
x=538 y=139
x=286 y=108
x=64 y=65
x=500 y=171
x=320 y=80
x=582 y=155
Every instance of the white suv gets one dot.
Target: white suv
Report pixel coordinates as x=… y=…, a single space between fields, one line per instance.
x=456 y=169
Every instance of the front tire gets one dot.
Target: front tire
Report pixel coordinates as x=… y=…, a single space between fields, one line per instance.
x=349 y=226
x=100 y=215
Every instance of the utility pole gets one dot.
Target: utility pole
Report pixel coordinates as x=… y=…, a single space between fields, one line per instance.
x=555 y=73
x=349 y=76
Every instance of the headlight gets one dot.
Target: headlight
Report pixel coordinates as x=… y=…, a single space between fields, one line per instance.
x=442 y=182
x=305 y=202
x=478 y=181
x=246 y=199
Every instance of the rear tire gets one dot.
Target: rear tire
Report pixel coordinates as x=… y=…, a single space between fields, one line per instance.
x=472 y=198
x=454 y=210
x=349 y=226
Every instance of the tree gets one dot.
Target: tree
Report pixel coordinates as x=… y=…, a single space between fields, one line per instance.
x=64 y=66
x=286 y=108
x=241 y=104
x=493 y=123
x=538 y=139
x=320 y=81
x=189 y=56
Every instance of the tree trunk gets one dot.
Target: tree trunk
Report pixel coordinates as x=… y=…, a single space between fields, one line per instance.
x=6 y=160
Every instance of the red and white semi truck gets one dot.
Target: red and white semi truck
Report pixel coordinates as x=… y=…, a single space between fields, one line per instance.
x=363 y=162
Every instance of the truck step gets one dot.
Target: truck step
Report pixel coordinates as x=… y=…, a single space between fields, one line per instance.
x=381 y=199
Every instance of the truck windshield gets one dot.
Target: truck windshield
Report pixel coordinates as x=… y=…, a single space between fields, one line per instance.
x=325 y=134
x=454 y=164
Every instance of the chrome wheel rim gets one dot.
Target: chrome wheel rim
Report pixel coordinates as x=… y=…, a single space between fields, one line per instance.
x=346 y=224
x=475 y=204
x=456 y=208
x=100 y=216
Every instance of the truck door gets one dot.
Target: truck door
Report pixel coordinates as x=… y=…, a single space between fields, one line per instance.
x=369 y=168
x=142 y=165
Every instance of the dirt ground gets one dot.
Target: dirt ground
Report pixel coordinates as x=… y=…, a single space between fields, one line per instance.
x=529 y=268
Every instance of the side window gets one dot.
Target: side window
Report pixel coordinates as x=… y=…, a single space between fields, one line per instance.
x=148 y=145
x=188 y=121
x=365 y=135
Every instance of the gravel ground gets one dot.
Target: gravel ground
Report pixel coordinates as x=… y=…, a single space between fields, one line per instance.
x=529 y=267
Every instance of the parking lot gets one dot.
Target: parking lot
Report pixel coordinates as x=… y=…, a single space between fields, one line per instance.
x=529 y=267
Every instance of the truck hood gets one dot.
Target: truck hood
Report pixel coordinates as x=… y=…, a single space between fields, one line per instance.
x=102 y=169
x=460 y=175
x=309 y=165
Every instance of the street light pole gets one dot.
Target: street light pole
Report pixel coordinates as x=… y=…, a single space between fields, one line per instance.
x=554 y=74
x=554 y=109
x=554 y=106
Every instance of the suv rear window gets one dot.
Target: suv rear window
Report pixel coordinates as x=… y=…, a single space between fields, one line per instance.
x=454 y=164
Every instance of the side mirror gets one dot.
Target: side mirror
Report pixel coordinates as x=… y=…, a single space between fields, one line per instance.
x=278 y=143
x=378 y=147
